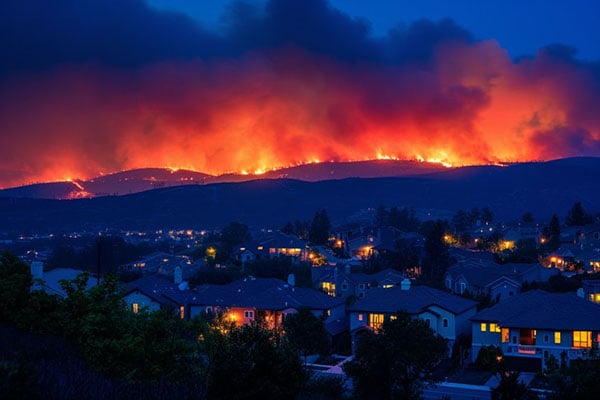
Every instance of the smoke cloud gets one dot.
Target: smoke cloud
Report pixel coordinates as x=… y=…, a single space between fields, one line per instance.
x=93 y=87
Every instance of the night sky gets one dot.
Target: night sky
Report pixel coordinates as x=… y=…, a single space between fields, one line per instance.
x=96 y=86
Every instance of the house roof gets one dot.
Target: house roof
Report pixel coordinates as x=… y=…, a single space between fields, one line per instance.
x=413 y=301
x=542 y=310
x=159 y=289
x=484 y=274
x=263 y=294
x=51 y=280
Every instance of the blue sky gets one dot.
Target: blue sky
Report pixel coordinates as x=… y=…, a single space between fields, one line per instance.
x=522 y=27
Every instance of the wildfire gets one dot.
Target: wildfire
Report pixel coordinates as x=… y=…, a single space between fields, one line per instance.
x=257 y=114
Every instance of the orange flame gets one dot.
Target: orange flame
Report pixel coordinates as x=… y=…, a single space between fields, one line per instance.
x=475 y=107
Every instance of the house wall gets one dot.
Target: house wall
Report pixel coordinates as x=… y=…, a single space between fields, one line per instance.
x=504 y=290
x=482 y=339
x=543 y=347
x=142 y=301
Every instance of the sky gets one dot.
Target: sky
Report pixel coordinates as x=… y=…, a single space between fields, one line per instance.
x=90 y=87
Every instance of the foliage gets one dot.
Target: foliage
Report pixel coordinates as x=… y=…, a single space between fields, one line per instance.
x=321 y=387
x=489 y=358
x=577 y=216
x=552 y=234
x=250 y=362
x=580 y=381
x=437 y=258
x=319 y=228
x=15 y=281
x=111 y=251
x=306 y=333
x=463 y=220
x=510 y=388
x=404 y=218
x=395 y=362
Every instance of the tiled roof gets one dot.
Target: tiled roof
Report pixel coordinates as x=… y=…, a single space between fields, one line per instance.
x=542 y=310
x=159 y=289
x=413 y=300
x=263 y=294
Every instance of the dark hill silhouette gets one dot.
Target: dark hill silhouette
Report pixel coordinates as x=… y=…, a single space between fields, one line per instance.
x=139 y=180
x=542 y=188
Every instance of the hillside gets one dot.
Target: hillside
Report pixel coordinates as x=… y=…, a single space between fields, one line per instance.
x=542 y=188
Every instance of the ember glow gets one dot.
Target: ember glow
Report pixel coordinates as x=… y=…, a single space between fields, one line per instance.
x=278 y=107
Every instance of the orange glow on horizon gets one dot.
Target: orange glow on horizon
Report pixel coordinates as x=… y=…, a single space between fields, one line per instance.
x=257 y=114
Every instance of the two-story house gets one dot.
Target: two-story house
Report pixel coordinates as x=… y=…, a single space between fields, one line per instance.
x=538 y=325
x=446 y=314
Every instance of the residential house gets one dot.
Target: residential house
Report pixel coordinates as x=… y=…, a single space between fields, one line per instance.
x=163 y=264
x=243 y=300
x=500 y=281
x=590 y=290
x=576 y=256
x=446 y=313
x=50 y=281
x=272 y=244
x=340 y=282
x=537 y=325
x=152 y=292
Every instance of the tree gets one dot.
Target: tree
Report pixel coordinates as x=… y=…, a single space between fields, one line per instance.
x=437 y=257
x=396 y=361
x=527 y=218
x=487 y=215
x=553 y=233
x=306 y=333
x=235 y=233
x=577 y=216
x=382 y=217
x=510 y=388
x=319 y=228
x=15 y=284
x=251 y=362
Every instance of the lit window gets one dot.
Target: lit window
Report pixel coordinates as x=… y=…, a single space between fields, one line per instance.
x=393 y=317
x=136 y=307
x=483 y=327
x=360 y=317
x=328 y=288
x=582 y=339
x=375 y=321
x=494 y=327
x=534 y=333
x=249 y=314
x=445 y=322
x=504 y=335
x=181 y=312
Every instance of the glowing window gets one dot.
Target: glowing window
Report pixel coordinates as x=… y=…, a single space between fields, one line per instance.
x=494 y=327
x=328 y=288
x=393 y=317
x=483 y=327
x=375 y=321
x=582 y=339
x=504 y=335
x=136 y=307
x=182 y=312
x=360 y=317
x=556 y=337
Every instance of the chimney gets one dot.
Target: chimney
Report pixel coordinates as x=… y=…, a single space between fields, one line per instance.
x=405 y=284
x=177 y=275
x=291 y=280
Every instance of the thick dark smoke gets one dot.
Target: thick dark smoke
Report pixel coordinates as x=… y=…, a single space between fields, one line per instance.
x=91 y=86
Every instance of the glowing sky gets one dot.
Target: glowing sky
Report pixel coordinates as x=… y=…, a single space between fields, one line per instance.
x=94 y=86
